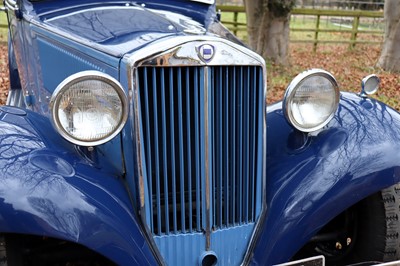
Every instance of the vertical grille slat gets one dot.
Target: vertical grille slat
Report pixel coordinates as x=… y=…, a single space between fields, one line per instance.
x=219 y=132
x=148 y=144
x=233 y=145
x=189 y=155
x=202 y=147
x=164 y=150
x=246 y=148
x=197 y=148
x=226 y=151
x=174 y=121
x=172 y=149
x=156 y=151
x=181 y=148
x=253 y=138
x=240 y=145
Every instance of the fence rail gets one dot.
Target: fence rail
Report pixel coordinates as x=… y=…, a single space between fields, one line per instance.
x=236 y=26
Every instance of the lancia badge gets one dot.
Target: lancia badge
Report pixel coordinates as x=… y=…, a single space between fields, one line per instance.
x=206 y=52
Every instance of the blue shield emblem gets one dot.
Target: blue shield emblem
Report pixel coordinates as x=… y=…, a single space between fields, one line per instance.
x=206 y=52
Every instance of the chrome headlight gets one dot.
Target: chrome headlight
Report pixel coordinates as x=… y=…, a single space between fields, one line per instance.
x=311 y=100
x=89 y=108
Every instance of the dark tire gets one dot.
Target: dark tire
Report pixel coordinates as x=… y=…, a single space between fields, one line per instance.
x=10 y=251
x=367 y=232
x=379 y=227
x=391 y=199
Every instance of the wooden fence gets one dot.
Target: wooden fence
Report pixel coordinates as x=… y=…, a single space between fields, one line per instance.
x=236 y=26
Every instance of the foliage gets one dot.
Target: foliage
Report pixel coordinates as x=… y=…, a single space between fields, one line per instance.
x=349 y=67
x=4 y=80
x=280 y=8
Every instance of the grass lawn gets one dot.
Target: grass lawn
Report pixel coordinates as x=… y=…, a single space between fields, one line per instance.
x=309 y=22
x=3 y=27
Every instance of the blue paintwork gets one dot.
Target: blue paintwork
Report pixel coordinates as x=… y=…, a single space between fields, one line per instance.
x=196 y=10
x=48 y=189
x=93 y=22
x=52 y=188
x=74 y=46
x=231 y=254
x=312 y=179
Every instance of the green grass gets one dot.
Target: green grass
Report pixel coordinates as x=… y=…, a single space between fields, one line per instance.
x=3 y=31
x=309 y=22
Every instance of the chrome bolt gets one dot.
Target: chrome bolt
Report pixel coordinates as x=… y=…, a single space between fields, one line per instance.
x=338 y=245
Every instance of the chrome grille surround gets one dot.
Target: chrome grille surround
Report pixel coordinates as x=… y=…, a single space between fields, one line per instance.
x=153 y=106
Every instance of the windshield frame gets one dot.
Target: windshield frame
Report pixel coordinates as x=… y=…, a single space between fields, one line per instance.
x=210 y=2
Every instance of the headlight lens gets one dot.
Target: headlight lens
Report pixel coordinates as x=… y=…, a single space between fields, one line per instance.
x=89 y=108
x=311 y=100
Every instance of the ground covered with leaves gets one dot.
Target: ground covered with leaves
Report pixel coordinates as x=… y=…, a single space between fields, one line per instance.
x=348 y=66
x=4 y=80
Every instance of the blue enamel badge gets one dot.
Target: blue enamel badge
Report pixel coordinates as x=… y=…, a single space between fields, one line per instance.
x=206 y=52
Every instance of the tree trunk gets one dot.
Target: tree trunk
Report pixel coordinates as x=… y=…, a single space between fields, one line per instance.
x=268 y=31
x=390 y=55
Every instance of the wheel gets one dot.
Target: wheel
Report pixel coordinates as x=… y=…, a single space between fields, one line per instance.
x=10 y=251
x=367 y=232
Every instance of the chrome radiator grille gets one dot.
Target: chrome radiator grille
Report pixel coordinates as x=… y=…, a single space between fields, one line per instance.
x=173 y=122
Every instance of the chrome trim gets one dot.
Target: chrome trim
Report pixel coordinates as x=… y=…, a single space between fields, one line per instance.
x=312 y=261
x=365 y=87
x=11 y=5
x=103 y=8
x=16 y=98
x=207 y=180
x=134 y=109
x=263 y=214
x=294 y=85
x=182 y=51
x=210 y=2
x=77 y=77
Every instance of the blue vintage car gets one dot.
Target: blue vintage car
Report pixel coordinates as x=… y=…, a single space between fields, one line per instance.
x=137 y=133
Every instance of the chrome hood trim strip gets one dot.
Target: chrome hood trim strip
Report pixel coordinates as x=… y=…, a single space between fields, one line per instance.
x=184 y=51
x=210 y=2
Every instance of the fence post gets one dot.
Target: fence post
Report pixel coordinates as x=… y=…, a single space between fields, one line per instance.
x=235 y=21
x=354 y=31
x=316 y=33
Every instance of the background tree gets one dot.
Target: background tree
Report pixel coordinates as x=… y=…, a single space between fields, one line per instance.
x=268 y=27
x=390 y=55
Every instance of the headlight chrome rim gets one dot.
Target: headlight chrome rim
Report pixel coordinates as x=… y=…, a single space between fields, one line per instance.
x=80 y=77
x=291 y=91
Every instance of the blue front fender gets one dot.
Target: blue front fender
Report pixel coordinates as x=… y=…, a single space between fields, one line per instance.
x=313 y=178
x=47 y=189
